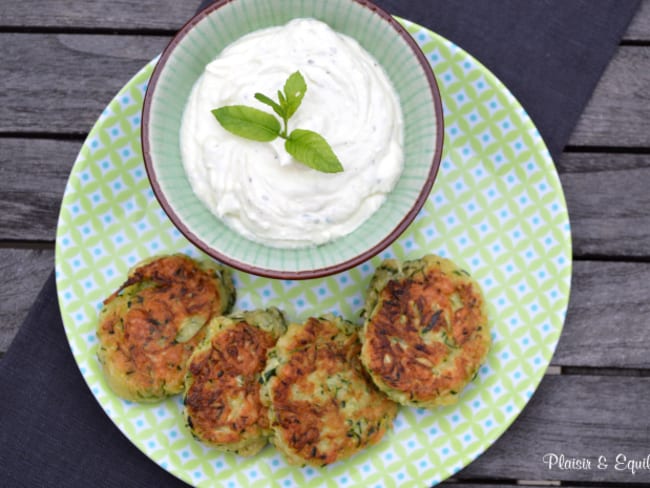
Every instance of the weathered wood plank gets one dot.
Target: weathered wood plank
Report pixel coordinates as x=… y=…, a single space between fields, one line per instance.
x=608 y=200
x=579 y=417
x=99 y=14
x=33 y=174
x=608 y=320
x=573 y=163
x=158 y=14
x=618 y=113
x=68 y=79
x=23 y=273
x=639 y=29
x=523 y=484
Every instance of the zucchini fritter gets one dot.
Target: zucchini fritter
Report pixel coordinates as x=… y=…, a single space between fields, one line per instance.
x=149 y=327
x=426 y=331
x=222 y=389
x=322 y=405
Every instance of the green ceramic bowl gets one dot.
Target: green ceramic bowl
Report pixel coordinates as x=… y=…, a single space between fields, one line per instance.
x=200 y=41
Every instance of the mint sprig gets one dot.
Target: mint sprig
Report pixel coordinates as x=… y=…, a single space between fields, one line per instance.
x=307 y=147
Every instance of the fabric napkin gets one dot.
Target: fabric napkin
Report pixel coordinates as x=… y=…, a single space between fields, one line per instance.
x=550 y=54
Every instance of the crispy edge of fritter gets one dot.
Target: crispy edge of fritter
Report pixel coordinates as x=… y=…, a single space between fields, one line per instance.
x=392 y=269
x=346 y=332
x=220 y=275
x=271 y=321
x=225 y=283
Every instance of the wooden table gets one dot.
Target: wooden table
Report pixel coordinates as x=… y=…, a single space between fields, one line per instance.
x=61 y=64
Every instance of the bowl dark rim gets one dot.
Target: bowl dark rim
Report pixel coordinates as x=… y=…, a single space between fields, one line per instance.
x=319 y=272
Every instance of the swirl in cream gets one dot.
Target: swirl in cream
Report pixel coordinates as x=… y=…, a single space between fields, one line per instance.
x=256 y=187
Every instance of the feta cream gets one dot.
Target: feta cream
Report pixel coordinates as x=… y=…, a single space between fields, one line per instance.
x=257 y=188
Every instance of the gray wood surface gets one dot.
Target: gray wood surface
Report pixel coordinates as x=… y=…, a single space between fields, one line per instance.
x=608 y=318
x=616 y=115
x=578 y=416
x=97 y=14
x=29 y=207
x=124 y=15
x=69 y=80
x=639 y=29
x=534 y=484
x=608 y=200
x=92 y=68
x=595 y=400
x=24 y=272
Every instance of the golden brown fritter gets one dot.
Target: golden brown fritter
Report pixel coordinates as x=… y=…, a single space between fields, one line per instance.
x=222 y=390
x=322 y=405
x=426 y=331
x=149 y=327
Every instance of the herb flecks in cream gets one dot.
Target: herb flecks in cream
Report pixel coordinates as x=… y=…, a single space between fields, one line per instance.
x=258 y=188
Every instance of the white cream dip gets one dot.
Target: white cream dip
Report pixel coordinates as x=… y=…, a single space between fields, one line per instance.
x=256 y=187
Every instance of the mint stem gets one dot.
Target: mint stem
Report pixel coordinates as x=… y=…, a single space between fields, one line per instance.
x=285 y=132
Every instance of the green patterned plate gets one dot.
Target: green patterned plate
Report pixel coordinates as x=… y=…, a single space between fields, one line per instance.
x=497 y=209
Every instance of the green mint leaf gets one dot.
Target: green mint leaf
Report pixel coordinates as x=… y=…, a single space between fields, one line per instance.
x=271 y=103
x=294 y=91
x=248 y=122
x=312 y=149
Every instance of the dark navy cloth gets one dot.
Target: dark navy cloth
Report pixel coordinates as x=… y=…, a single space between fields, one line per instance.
x=550 y=54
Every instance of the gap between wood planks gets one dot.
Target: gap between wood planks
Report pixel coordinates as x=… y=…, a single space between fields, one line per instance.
x=53 y=136
x=100 y=31
x=635 y=42
x=607 y=149
x=488 y=482
x=9 y=244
